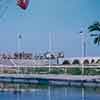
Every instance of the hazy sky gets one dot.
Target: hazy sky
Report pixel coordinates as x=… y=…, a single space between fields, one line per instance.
x=63 y=18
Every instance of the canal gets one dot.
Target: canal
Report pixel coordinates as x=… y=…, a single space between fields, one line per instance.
x=45 y=92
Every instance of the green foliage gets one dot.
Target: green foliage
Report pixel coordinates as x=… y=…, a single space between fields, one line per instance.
x=92 y=71
x=69 y=71
x=56 y=71
x=74 y=71
x=95 y=27
x=40 y=70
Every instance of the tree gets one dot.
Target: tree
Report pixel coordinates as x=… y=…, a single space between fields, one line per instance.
x=95 y=27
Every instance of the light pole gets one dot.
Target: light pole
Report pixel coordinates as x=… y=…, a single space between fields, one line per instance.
x=19 y=47
x=18 y=53
x=83 y=48
x=50 y=49
x=19 y=43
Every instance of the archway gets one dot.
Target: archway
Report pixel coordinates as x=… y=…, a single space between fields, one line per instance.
x=66 y=62
x=86 y=62
x=76 y=61
x=98 y=61
x=92 y=61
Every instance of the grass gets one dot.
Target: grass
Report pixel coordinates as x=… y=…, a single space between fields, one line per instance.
x=74 y=71
x=92 y=71
x=60 y=70
x=69 y=71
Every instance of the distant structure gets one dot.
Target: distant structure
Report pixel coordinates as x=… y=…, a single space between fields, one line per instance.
x=22 y=62
x=43 y=59
x=80 y=60
x=23 y=55
x=28 y=59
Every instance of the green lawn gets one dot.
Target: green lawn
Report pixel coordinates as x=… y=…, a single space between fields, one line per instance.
x=69 y=71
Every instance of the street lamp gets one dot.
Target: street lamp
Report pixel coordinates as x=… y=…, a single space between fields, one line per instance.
x=83 y=48
x=50 y=49
x=19 y=42
x=19 y=47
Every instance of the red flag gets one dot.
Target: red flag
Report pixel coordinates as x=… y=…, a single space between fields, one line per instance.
x=23 y=3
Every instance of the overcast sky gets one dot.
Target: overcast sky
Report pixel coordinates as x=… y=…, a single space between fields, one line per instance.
x=63 y=18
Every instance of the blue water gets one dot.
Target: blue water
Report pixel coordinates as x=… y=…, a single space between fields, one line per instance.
x=54 y=93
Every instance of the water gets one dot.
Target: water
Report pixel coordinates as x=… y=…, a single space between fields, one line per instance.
x=53 y=93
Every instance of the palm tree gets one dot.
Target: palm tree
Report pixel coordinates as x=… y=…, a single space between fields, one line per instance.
x=95 y=27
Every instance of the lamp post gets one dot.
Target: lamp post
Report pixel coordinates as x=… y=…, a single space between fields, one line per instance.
x=19 y=42
x=83 y=48
x=50 y=48
x=19 y=47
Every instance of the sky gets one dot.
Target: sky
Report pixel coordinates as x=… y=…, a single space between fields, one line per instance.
x=63 y=19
